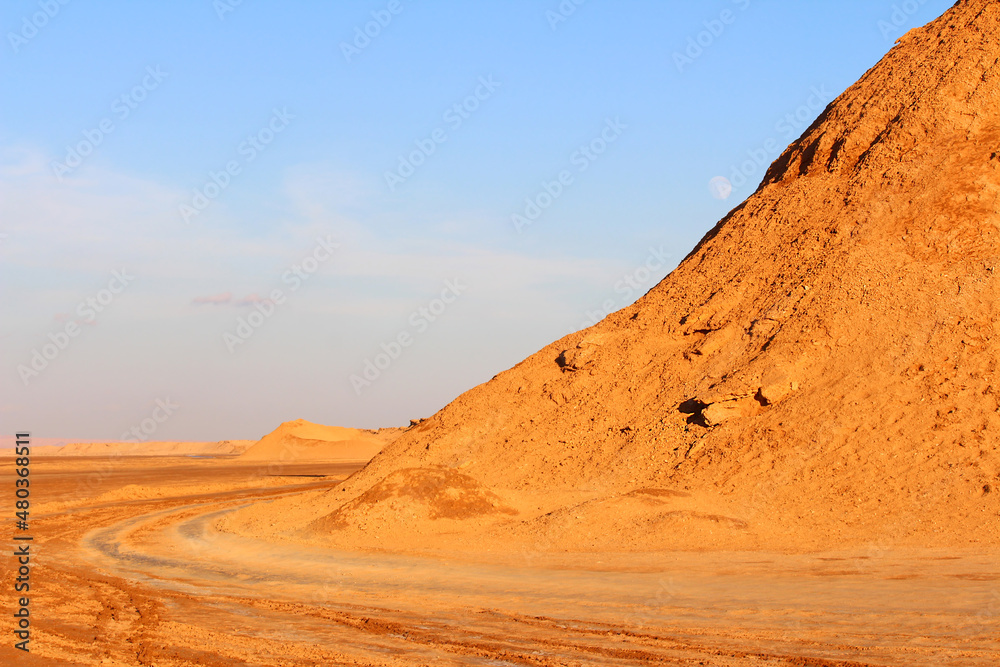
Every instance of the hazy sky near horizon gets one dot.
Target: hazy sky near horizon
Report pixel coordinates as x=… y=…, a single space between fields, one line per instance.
x=167 y=170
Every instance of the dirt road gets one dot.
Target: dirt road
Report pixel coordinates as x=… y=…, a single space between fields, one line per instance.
x=148 y=581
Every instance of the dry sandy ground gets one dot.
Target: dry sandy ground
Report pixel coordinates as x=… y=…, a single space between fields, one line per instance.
x=130 y=571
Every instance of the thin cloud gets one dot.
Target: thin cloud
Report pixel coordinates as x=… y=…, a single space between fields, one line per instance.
x=66 y=318
x=214 y=300
x=250 y=300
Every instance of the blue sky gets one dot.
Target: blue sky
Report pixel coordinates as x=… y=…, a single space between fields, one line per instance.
x=288 y=136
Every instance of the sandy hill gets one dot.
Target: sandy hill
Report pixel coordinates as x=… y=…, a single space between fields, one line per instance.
x=301 y=440
x=819 y=372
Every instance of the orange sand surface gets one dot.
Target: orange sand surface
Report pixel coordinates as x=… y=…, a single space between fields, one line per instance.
x=125 y=580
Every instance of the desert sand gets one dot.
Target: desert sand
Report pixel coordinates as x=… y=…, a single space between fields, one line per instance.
x=301 y=440
x=784 y=454
x=126 y=576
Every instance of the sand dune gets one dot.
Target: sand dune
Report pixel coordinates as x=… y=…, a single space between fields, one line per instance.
x=301 y=440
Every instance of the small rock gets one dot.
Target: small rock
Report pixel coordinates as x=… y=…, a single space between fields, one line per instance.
x=716 y=413
x=773 y=392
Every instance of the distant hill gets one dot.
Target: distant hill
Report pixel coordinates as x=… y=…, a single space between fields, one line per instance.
x=301 y=440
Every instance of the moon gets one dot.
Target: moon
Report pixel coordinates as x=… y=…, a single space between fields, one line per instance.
x=720 y=187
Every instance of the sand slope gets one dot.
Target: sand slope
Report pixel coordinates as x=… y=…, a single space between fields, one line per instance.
x=301 y=440
x=820 y=371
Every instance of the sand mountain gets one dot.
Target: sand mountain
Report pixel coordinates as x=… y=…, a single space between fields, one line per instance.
x=301 y=440
x=820 y=371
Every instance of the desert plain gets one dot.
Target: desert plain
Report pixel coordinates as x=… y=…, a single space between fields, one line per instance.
x=146 y=560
